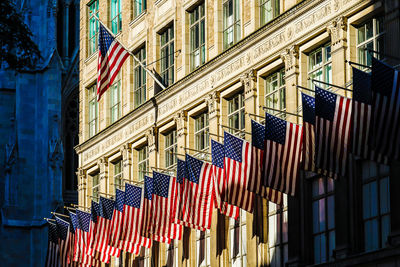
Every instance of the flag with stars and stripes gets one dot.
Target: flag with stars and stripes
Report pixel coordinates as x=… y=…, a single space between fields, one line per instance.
x=308 y=104
x=134 y=212
x=53 y=253
x=198 y=195
x=117 y=220
x=180 y=175
x=74 y=248
x=385 y=109
x=332 y=132
x=256 y=167
x=283 y=144
x=164 y=203
x=83 y=233
x=63 y=240
x=237 y=160
x=220 y=183
x=93 y=232
x=111 y=57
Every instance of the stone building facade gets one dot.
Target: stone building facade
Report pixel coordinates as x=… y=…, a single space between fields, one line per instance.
x=221 y=62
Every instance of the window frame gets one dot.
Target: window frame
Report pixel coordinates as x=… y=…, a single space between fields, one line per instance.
x=233 y=27
x=93 y=39
x=95 y=187
x=275 y=8
x=117 y=176
x=140 y=83
x=280 y=211
x=240 y=223
x=233 y=112
x=167 y=55
x=117 y=16
x=325 y=64
x=168 y=148
x=278 y=77
x=93 y=118
x=204 y=236
x=138 y=11
x=200 y=24
x=115 y=87
x=142 y=162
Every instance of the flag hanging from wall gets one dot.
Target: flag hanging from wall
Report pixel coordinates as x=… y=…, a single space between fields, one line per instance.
x=308 y=104
x=63 y=240
x=53 y=252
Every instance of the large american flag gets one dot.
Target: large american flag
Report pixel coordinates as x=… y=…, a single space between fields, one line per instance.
x=385 y=109
x=332 y=132
x=53 y=253
x=283 y=144
x=237 y=159
x=111 y=57
x=308 y=104
x=164 y=204
x=220 y=183
x=256 y=167
x=63 y=240
x=117 y=220
x=82 y=232
x=74 y=248
x=92 y=235
x=148 y=190
x=198 y=195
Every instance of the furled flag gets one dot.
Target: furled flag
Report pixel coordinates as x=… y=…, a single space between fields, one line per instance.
x=92 y=235
x=308 y=103
x=256 y=167
x=332 y=132
x=385 y=109
x=237 y=170
x=283 y=141
x=83 y=233
x=198 y=195
x=117 y=220
x=163 y=206
x=111 y=57
x=63 y=240
x=53 y=253
x=180 y=175
x=74 y=248
x=134 y=213
x=220 y=183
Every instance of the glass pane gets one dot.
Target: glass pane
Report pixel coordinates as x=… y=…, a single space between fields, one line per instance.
x=371 y=235
x=332 y=243
x=317 y=249
x=366 y=201
x=331 y=212
x=361 y=35
x=285 y=227
x=315 y=209
x=369 y=29
x=272 y=230
x=384 y=195
x=322 y=222
x=385 y=229
x=244 y=240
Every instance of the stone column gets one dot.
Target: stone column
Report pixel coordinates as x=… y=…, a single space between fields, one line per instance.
x=66 y=32
x=103 y=175
x=126 y=152
x=82 y=184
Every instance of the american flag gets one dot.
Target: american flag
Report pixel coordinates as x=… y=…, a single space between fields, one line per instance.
x=53 y=253
x=133 y=220
x=220 y=183
x=332 y=132
x=117 y=220
x=164 y=200
x=94 y=214
x=237 y=161
x=256 y=167
x=198 y=195
x=308 y=104
x=74 y=248
x=111 y=57
x=385 y=109
x=63 y=240
x=148 y=191
x=82 y=233
x=283 y=141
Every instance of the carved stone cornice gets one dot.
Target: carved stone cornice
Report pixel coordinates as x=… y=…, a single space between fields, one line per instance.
x=151 y=136
x=212 y=101
x=290 y=57
x=249 y=82
x=180 y=119
x=338 y=32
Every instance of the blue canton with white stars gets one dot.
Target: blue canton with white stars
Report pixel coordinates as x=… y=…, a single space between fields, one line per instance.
x=105 y=40
x=148 y=187
x=133 y=195
x=161 y=184
x=257 y=134
x=308 y=103
x=74 y=220
x=362 y=86
x=382 y=77
x=119 y=200
x=275 y=129
x=95 y=211
x=181 y=171
x=62 y=228
x=53 y=235
x=233 y=147
x=193 y=166
x=325 y=104
x=217 y=153
x=83 y=219
x=106 y=208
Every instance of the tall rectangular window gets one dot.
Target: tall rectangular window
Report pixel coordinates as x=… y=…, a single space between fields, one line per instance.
x=197 y=37
x=201 y=132
x=172 y=254
x=376 y=205
x=170 y=149
x=278 y=233
x=236 y=113
x=115 y=101
x=238 y=240
x=167 y=55
x=138 y=7
x=323 y=215
x=370 y=37
x=118 y=174
x=275 y=93
x=93 y=110
x=116 y=16
x=93 y=26
x=140 y=77
x=143 y=162
x=143 y=259
x=231 y=22
x=95 y=186
x=203 y=248
x=269 y=9
x=320 y=65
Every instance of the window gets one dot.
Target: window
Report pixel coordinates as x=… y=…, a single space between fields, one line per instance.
x=170 y=149
x=172 y=254
x=138 y=7
x=116 y=16
x=238 y=238
x=167 y=56
x=278 y=233
x=269 y=9
x=197 y=37
x=320 y=65
x=236 y=113
x=115 y=101
x=140 y=77
x=203 y=248
x=143 y=259
x=370 y=36
x=93 y=110
x=376 y=205
x=275 y=94
x=201 y=132
x=93 y=26
x=231 y=23
x=95 y=186
x=143 y=162
x=323 y=215
x=118 y=174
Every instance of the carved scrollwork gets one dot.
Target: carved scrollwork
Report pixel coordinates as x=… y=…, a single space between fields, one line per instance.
x=291 y=59
x=212 y=101
x=249 y=82
x=338 y=31
x=180 y=119
x=151 y=136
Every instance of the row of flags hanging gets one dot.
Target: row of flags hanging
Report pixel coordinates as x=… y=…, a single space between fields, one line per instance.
x=334 y=127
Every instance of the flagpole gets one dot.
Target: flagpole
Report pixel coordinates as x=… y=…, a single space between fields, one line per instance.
x=130 y=53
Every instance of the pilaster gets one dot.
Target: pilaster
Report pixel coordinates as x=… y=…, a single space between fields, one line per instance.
x=103 y=174
x=82 y=185
x=126 y=152
x=152 y=143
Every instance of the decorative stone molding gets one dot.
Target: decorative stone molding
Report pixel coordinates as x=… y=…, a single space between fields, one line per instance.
x=103 y=166
x=11 y=147
x=180 y=119
x=81 y=174
x=126 y=152
x=212 y=101
x=249 y=82
x=291 y=59
x=338 y=32
x=151 y=136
